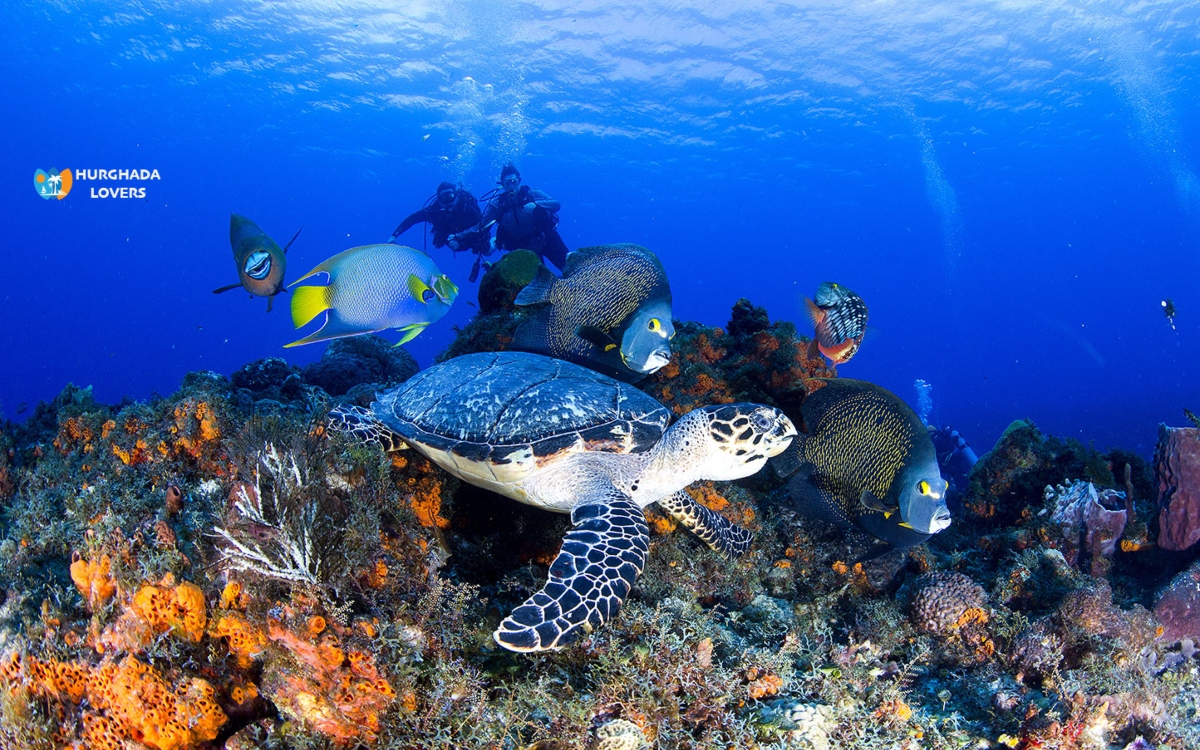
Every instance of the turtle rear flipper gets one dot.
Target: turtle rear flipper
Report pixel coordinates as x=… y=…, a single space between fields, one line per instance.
x=601 y=557
x=714 y=529
x=361 y=425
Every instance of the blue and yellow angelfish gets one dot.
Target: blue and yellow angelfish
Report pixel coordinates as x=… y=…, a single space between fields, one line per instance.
x=373 y=288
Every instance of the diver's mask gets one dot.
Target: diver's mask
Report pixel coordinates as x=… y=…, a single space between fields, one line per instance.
x=446 y=198
x=510 y=183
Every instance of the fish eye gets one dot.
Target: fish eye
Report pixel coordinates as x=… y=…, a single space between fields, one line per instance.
x=655 y=325
x=923 y=487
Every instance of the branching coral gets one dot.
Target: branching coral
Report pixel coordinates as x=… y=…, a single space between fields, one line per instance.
x=273 y=537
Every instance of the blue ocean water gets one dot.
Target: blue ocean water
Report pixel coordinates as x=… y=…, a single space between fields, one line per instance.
x=1012 y=187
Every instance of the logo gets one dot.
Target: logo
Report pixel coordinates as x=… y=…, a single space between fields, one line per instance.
x=52 y=184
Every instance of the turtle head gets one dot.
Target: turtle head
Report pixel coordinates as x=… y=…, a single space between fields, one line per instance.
x=737 y=439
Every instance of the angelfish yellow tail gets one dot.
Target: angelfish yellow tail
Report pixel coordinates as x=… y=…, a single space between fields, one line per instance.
x=307 y=303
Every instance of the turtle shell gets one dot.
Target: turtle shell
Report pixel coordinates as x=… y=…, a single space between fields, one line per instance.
x=498 y=415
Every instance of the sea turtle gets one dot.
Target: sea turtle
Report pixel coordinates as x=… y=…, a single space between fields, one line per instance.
x=559 y=436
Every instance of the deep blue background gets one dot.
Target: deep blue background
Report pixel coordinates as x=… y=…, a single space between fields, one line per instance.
x=1013 y=194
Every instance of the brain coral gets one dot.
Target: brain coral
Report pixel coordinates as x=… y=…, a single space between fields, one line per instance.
x=946 y=602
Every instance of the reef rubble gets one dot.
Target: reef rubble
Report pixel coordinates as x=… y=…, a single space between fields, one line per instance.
x=216 y=569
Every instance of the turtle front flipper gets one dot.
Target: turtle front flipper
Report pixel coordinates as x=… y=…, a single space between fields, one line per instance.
x=601 y=557
x=361 y=425
x=714 y=529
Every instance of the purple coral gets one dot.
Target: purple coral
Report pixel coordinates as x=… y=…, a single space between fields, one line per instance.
x=1177 y=474
x=1178 y=607
x=1090 y=520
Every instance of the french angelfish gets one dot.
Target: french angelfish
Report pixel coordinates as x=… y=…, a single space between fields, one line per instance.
x=610 y=311
x=372 y=288
x=839 y=318
x=864 y=459
x=261 y=263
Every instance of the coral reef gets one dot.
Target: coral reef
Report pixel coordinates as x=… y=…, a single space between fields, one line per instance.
x=1177 y=474
x=214 y=569
x=1091 y=521
x=358 y=360
x=1178 y=606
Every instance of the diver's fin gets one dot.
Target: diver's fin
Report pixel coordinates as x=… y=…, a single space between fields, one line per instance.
x=410 y=332
x=293 y=239
x=870 y=502
x=307 y=303
x=227 y=288
x=537 y=291
x=419 y=290
x=596 y=337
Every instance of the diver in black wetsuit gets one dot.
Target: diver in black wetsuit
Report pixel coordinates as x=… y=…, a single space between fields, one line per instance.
x=525 y=218
x=453 y=215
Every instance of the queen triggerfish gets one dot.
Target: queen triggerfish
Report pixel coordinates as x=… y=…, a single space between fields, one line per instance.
x=864 y=459
x=839 y=319
x=610 y=311
x=373 y=288
x=261 y=263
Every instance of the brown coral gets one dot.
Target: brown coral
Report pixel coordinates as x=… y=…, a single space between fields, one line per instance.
x=947 y=602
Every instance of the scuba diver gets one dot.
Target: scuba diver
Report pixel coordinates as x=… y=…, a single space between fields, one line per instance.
x=955 y=457
x=525 y=218
x=453 y=215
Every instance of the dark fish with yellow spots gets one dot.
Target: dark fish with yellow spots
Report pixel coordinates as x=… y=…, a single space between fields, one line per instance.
x=261 y=263
x=864 y=459
x=610 y=311
x=839 y=319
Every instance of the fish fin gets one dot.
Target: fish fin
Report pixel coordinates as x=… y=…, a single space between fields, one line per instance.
x=870 y=502
x=227 y=288
x=810 y=500
x=905 y=525
x=537 y=291
x=419 y=289
x=333 y=328
x=411 y=332
x=531 y=333
x=842 y=352
x=815 y=313
x=786 y=463
x=307 y=303
x=270 y=302
x=332 y=264
x=876 y=551
x=596 y=337
x=293 y=239
x=814 y=349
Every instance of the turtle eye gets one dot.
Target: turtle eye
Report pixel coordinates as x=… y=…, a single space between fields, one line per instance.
x=923 y=487
x=761 y=421
x=655 y=326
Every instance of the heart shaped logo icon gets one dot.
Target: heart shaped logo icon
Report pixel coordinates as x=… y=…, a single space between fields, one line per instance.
x=52 y=184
